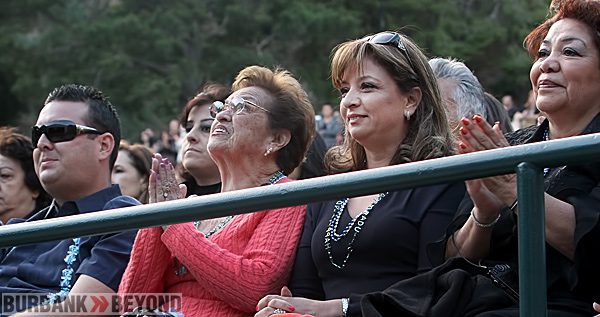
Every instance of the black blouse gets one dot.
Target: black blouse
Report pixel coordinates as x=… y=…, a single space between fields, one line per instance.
x=390 y=247
x=572 y=285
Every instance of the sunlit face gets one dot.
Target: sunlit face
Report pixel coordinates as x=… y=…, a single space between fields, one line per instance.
x=196 y=159
x=236 y=136
x=131 y=182
x=16 y=199
x=566 y=74
x=372 y=106
x=66 y=168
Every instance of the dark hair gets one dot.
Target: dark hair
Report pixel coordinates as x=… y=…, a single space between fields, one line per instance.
x=19 y=148
x=428 y=134
x=141 y=159
x=291 y=110
x=497 y=113
x=314 y=165
x=585 y=11
x=101 y=113
x=207 y=95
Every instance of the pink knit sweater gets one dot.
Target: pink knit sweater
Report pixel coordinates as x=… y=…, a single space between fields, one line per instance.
x=228 y=273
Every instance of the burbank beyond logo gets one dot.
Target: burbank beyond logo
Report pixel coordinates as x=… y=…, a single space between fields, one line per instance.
x=89 y=303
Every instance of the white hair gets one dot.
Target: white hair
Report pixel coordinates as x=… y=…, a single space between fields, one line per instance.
x=469 y=94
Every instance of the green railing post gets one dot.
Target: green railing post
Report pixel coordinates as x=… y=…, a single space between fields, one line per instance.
x=532 y=246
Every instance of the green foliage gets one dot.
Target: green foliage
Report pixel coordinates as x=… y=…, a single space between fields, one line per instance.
x=151 y=56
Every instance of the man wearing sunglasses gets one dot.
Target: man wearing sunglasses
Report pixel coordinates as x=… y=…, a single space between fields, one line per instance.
x=76 y=139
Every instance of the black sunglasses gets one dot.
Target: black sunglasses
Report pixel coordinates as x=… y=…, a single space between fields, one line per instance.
x=60 y=132
x=390 y=38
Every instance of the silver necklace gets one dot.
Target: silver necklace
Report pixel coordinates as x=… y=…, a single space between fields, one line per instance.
x=331 y=232
x=216 y=228
x=180 y=269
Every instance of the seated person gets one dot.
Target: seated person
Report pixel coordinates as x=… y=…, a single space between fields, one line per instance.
x=393 y=114
x=21 y=194
x=223 y=266
x=197 y=169
x=132 y=170
x=76 y=137
x=565 y=49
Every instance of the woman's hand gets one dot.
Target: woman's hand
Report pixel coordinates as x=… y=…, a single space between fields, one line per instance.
x=162 y=183
x=477 y=135
x=597 y=309
x=487 y=205
x=273 y=304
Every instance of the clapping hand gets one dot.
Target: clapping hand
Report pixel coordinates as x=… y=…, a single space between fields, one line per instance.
x=477 y=135
x=162 y=184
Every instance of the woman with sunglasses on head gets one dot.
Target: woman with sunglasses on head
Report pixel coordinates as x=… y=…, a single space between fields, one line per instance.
x=223 y=266
x=393 y=114
x=480 y=248
x=21 y=194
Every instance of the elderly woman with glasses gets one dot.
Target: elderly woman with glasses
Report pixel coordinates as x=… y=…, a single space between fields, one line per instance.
x=393 y=114
x=223 y=266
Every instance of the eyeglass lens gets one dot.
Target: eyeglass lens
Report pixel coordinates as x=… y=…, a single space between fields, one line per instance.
x=386 y=38
x=236 y=104
x=55 y=133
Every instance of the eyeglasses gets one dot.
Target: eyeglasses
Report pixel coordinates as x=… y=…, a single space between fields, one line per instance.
x=60 y=132
x=390 y=38
x=236 y=105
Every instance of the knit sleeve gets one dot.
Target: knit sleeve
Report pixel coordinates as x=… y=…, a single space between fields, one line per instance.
x=148 y=262
x=244 y=261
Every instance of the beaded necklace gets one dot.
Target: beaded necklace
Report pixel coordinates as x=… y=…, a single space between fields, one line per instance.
x=331 y=232
x=181 y=269
x=66 y=274
x=545 y=138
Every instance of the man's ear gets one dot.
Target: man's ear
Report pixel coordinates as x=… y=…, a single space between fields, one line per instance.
x=281 y=138
x=107 y=144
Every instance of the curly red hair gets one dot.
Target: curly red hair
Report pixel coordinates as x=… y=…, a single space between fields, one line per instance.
x=585 y=11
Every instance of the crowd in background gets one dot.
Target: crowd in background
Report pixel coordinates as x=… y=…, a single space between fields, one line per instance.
x=425 y=251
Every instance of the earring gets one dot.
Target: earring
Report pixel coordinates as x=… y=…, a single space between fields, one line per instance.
x=407 y=114
x=269 y=150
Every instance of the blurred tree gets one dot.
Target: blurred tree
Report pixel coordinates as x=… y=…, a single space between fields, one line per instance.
x=150 y=56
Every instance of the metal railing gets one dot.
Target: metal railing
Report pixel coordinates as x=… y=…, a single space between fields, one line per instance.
x=526 y=160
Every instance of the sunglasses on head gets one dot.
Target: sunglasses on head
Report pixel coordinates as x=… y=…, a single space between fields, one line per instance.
x=236 y=105
x=390 y=38
x=60 y=132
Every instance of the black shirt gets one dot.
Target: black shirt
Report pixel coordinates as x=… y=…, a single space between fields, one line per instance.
x=390 y=247
x=37 y=268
